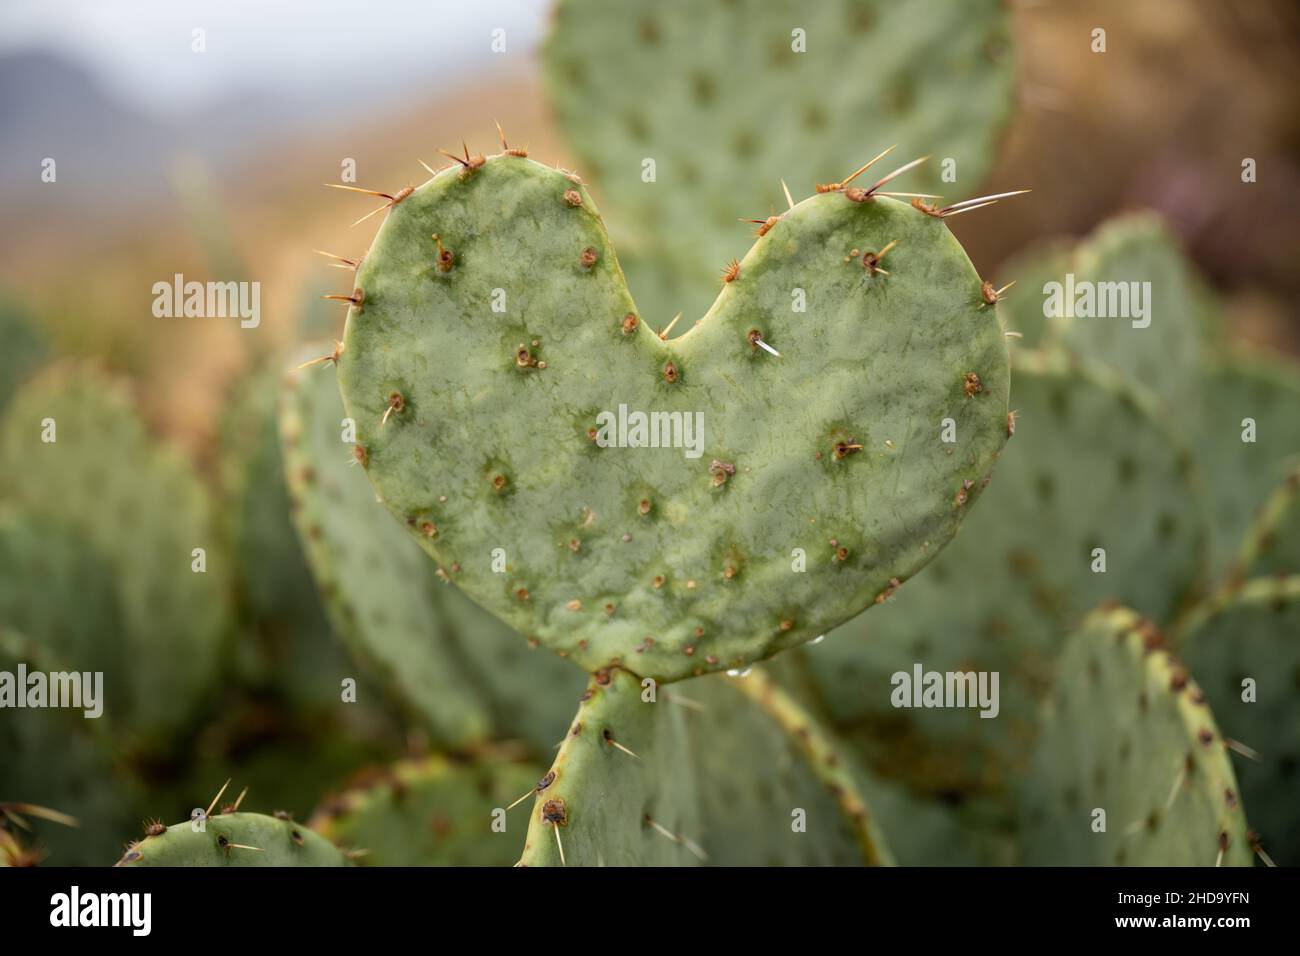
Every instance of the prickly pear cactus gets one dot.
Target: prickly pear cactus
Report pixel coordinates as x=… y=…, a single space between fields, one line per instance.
x=286 y=643
x=58 y=758
x=461 y=667
x=493 y=435
x=1137 y=306
x=433 y=812
x=1235 y=406
x=1250 y=436
x=142 y=509
x=1243 y=648
x=378 y=587
x=1127 y=732
x=663 y=127
x=776 y=789
x=62 y=595
x=1272 y=545
x=233 y=839
x=529 y=693
x=1091 y=469
x=762 y=753
x=621 y=791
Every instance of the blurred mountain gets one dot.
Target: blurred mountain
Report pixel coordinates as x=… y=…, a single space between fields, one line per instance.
x=107 y=152
x=50 y=107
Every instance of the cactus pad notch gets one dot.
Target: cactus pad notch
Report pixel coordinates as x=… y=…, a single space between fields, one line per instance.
x=477 y=427
x=800 y=85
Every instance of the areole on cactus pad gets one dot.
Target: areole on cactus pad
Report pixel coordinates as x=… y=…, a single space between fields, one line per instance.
x=792 y=468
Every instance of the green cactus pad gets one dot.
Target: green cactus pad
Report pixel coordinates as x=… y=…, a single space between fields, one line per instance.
x=56 y=757
x=271 y=574
x=1126 y=731
x=285 y=639
x=480 y=430
x=143 y=510
x=234 y=839
x=1167 y=355
x=1241 y=474
x=629 y=83
x=1090 y=466
x=612 y=807
x=378 y=587
x=1272 y=545
x=460 y=667
x=760 y=759
x=433 y=812
x=63 y=596
x=530 y=693
x=1181 y=358
x=1253 y=632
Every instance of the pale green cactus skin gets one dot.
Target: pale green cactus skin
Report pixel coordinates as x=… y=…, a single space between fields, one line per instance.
x=1272 y=545
x=433 y=812
x=63 y=595
x=235 y=840
x=1091 y=465
x=654 y=559
x=1266 y=390
x=1249 y=632
x=286 y=645
x=141 y=508
x=56 y=758
x=1127 y=731
x=1165 y=356
x=378 y=587
x=776 y=741
x=761 y=758
x=466 y=673
x=605 y=801
x=629 y=83
x=1210 y=390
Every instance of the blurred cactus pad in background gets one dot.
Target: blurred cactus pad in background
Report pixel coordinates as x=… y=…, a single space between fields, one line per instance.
x=732 y=434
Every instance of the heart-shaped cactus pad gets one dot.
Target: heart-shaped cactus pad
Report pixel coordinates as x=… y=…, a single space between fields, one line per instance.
x=684 y=505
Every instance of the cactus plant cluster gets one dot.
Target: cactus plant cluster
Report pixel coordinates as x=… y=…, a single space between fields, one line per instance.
x=63 y=433
x=800 y=90
x=530 y=580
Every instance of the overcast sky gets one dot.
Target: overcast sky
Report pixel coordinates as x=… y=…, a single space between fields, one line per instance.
x=141 y=49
